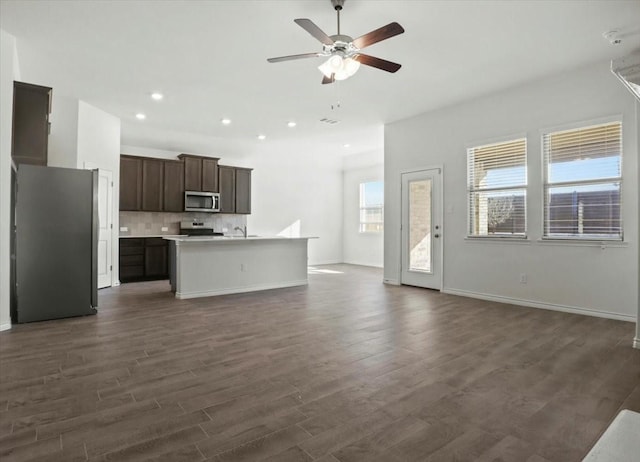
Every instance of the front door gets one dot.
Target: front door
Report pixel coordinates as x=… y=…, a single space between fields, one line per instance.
x=422 y=229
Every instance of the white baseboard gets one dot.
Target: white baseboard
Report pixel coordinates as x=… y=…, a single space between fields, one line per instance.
x=239 y=290
x=393 y=282
x=542 y=305
x=359 y=263
x=5 y=326
x=636 y=343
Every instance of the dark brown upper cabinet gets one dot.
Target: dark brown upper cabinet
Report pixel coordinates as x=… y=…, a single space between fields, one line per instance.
x=227 y=176
x=200 y=173
x=210 y=175
x=174 y=177
x=235 y=189
x=130 y=183
x=31 y=109
x=192 y=173
x=152 y=185
x=243 y=190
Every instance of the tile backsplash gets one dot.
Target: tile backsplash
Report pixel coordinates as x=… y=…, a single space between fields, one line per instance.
x=151 y=223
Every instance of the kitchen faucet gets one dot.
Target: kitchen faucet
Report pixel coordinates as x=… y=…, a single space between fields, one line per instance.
x=242 y=230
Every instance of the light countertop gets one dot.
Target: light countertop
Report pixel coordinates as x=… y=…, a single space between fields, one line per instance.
x=220 y=239
x=142 y=236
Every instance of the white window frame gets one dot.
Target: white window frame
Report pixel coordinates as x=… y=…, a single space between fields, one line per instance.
x=361 y=224
x=470 y=191
x=545 y=184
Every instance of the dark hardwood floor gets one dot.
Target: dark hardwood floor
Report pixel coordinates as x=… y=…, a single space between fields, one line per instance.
x=346 y=369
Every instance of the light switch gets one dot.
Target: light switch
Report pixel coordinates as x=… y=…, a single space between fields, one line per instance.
x=123 y=229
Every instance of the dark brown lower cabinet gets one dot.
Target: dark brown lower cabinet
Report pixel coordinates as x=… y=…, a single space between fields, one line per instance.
x=143 y=259
x=156 y=258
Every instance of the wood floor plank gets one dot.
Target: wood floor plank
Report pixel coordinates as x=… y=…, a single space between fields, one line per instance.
x=344 y=369
x=266 y=446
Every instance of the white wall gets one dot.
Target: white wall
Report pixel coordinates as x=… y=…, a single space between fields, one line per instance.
x=299 y=194
x=586 y=279
x=9 y=71
x=360 y=248
x=63 y=138
x=99 y=146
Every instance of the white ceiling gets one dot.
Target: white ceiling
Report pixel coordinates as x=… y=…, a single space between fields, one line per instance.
x=209 y=60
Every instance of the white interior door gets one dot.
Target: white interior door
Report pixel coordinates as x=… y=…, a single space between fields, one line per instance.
x=422 y=229
x=105 y=225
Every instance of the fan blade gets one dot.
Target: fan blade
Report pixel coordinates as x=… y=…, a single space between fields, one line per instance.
x=326 y=80
x=292 y=57
x=377 y=62
x=309 y=26
x=378 y=35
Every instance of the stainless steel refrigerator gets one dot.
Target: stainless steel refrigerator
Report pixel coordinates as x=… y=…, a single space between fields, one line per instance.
x=55 y=243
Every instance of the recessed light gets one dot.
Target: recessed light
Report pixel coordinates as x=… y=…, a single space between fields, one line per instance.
x=225 y=121
x=291 y=124
x=140 y=116
x=346 y=145
x=157 y=96
x=262 y=137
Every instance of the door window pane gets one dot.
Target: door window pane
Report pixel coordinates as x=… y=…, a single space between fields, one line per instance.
x=420 y=225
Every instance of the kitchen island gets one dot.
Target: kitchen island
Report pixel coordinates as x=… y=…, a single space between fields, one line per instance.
x=215 y=265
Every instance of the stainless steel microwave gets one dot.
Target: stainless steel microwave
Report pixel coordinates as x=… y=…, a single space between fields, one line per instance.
x=196 y=201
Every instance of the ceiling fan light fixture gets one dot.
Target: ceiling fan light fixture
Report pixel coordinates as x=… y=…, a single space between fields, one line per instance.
x=331 y=66
x=350 y=66
x=338 y=67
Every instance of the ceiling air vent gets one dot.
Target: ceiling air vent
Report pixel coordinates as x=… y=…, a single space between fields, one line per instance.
x=627 y=69
x=329 y=121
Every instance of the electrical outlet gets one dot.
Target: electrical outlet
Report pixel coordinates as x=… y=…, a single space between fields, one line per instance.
x=123 y=229
x=523 y=278
x=165 y=228
x=225 y=230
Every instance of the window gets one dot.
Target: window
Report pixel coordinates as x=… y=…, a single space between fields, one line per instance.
x=497 y=189
x=582 y=179
x=371 y=207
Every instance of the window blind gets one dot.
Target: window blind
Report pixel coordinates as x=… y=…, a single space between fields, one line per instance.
x=497 y=189
x=583 y=179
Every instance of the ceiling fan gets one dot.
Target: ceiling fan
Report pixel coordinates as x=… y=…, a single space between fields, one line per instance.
x=343 y=51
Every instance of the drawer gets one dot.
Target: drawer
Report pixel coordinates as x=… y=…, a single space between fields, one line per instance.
x=127 y=272
x=131 y=242
x=131 y=251
x=155 y=241
x=132 y=260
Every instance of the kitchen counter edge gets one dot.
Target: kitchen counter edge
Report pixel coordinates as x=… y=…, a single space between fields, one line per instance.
x=218 y=239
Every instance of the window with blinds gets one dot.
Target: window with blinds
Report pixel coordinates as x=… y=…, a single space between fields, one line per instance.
x=497 y=189
x=582 y=184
